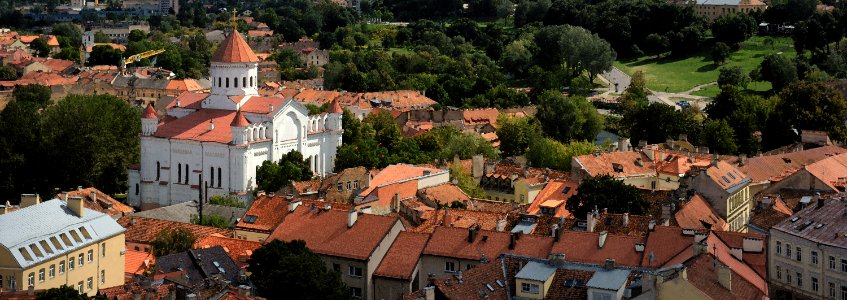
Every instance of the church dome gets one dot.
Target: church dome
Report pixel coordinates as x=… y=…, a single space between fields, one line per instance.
x=234 y=49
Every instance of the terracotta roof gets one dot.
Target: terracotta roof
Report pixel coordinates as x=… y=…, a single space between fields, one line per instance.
x=57 y=65
x=196 y=126
x=403 y=256
x=127 y=292
x=555 y=191
x=480 y=116
x=397 y=173
x=726 y=176
x=382 y=196
x=444 y=193
x=831 y=171
x=698 y=214
x=149 y=112
x=52 y=41
x=239 y=250
x=605 y=164
x=326 y=232
x=755 y=260
x=239 y=120
x=145 y=230
x=308 y=186
x=234 y=49
x=613 y=224
x=453 y=242
x=475 y=283
x=184 y=85
x=583 y=246
x=137 y=262
x=459 y=218
x=767 y=218
x=777 y=166
x=335 y=108
x=26 y=39
x=189 y=100
x=262 y=105
x=386 y=99
x=316 y=97
x=102 y=202
x=702 y=274
x=663 y=244
x=260 y=33
x=268 y=212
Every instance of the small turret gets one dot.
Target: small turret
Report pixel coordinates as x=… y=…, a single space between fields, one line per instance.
x=239 y=128
x=149 y=121
x=333 y=120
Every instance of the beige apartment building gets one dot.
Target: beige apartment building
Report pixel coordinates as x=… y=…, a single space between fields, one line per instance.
x=54 y=243
x=728 y=190
x=807 y=256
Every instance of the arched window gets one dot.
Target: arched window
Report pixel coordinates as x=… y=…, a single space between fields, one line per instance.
x=186 y=174
x=179 y=173
x=227 y=82
x=212 y=174
x=251 y=81
x=235 y=82
x=136 y=189
x=244 y=81
x=219 y=82
x=219 y=177
x=158 y=170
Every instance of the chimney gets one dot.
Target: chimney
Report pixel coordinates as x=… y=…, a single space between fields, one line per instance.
x=366 y=210
x=601 y=239
x=700 y=248
x=177 y=103
x=724 y=276
x=591 y=222
x=557 y=259
x=293 y=205
x=211 y=125
x=471 y=233
x=651 y=225
x=244 y=291
x=666 y=211
x=512 y=240
x=396 y=202
x=429 y=293
x=554 y=230
x=750 y=244
x=447 y=220
x=270 y=107
x=609 y=265
x=626 y=219
x=75 y=204
x=7 y=207
x=501 y=225
x=351 y=217
x=821 y=201
x=93 y=196
x=28 y=200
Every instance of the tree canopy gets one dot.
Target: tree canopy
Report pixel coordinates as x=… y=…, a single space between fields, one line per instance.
x=173 y=240
x=606 y=192
x=568 y=118
x=290 y=270
x=272 y=176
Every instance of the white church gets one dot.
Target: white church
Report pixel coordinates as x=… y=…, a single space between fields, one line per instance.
x=224 y=136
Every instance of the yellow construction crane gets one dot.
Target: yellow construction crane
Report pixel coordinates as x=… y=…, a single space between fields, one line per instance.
x=140 y=56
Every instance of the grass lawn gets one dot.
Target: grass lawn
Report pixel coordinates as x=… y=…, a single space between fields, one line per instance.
x=683 y=74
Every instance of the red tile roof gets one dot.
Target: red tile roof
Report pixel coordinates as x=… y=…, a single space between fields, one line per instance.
x=663 y=244
x=102 y=202
x=453 y=242
x=475 y=282
x=196 y=126
x=831 y=171
x=702 y=274
x=550 y=196
x=403 y=256
x=459 y=218
x=756 y=260
x=137 y=262
x=262 y=105
x=127 y=292
x=150 y=112
x=603 y=164
x=234 y=49
x=239 y=120
x=238 y=250
x=397 y=173
x=326 y=232
x=725 y=175
x=269 y=212
x=184 y=85
x=696 y=213
x=189 y=100
x=480 y=116
x=444 y=193
x=144 y=230
x=58 y=65
x=335 y=108
x=777 y=166
x=583 y=246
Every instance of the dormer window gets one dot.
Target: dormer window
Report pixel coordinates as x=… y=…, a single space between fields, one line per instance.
x=618 y=168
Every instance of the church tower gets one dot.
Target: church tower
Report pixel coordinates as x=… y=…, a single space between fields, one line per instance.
x=233 y=73
x=149 y=121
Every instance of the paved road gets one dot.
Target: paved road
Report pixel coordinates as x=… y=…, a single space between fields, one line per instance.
x=616 y=76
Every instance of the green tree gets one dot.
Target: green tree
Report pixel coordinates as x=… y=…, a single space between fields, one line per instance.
x=352 y=128
x=657 y=121
x=806 y=106
x=272 y=176
x=290 y=270
x=746 y=114
x=173 y=240
x=107 y=141
x=516 y=133
x=734 y=76
x=33 y=93
x=68 y=34
x=719 y=137
x=606 y=192
x=466 y=181
x=104 y=55
x=778 y=70
x=100 y=37
x=734 y=28
x=517 y=57
x=574 y=47
x=227 y=200
x=635 y=95
x=63 y=292
x=40 y=47
x=568 y=118
x=549 y=153
x=386 y=130
x=720 y=53
x=656 y=44
x=136 y=36
x=8 y=73
x=365 y=152
x=68 y=53
x=211 y=220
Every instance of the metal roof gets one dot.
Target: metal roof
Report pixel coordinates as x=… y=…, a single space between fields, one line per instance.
x=44 y=231
x=608 y=280
x=536 y=271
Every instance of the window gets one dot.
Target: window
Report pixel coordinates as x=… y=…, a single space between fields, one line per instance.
x=90 y=283
x=62 y=267
x=832 y=290
x=788 y=250
x=219 y=177
x=71 y=264
x=349 y=185
x=102 y=276
x=336 y=267
x=799 y=254
x=788 y=277
x=219 y=82
x=158 y=170
x=227 y=82
x=356 y=293
x=136 y=189
x=843 y=292
x=469 y=266
x=186 y=173
x=340 y=186
x=354 y=271
x=799 y=279
x=30 y=280
x=52 y=271
x=814 y=284
x=778 y=247
x=832 y=262
x=235 y=81
x=81 y=260
x=79 y=287
x=212 y=174
x=41 y=275
x=103 y=249
x=844 y=265
x=12 y=282
x=356 y=184
x=601 y=296
x=529 y=288
x=814 y=257
x=179 y=173
x=244 y=81
x=90 y=255
x=450 y=266
x=778 y=272
x=251 y=81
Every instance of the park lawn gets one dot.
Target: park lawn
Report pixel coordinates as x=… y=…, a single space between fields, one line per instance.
x=683 y=74
x=755 y=87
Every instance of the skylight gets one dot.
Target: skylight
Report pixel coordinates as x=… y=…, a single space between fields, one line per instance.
x=250 y=219
x=731 y=175
x=725 y=179
x=795 y=219
x=490 y=288
x=500 y=283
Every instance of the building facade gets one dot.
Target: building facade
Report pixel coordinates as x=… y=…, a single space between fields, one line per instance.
x=59 y=243
x=728 y=191
x=220 y=139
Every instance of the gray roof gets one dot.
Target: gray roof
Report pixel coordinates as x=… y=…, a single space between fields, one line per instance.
x=182 y=212
x=141 y=83
x=41 y=232
x=608 y=280
x=199 y=264
x=536 y=271
x=825 y=225
x=523 y=227
x=718 y=2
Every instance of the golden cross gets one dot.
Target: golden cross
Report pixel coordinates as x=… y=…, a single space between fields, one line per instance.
x=234 y=18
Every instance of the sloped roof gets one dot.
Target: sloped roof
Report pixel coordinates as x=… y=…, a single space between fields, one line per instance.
x=775 y=167
x=702 y=274
x=144 y=230
x=234 y=49
x=196 y=126
x=398 y=173
x=830 y=171
x=239 y=120
x=239 y=250
x=696 y=213
x=554 y=191
x=403 y=256
x=444 y=193
x=150 y=112
x=453 y=242
x=183 y=212
x=137 y=262
x=583 y=246
x=727 y=177
x=604 y=164
x=102 y=202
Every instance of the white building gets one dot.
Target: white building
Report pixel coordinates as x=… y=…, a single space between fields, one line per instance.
x=224 y=136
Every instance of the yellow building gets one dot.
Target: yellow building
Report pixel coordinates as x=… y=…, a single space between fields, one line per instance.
x=46 y=245
x=712 y=9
